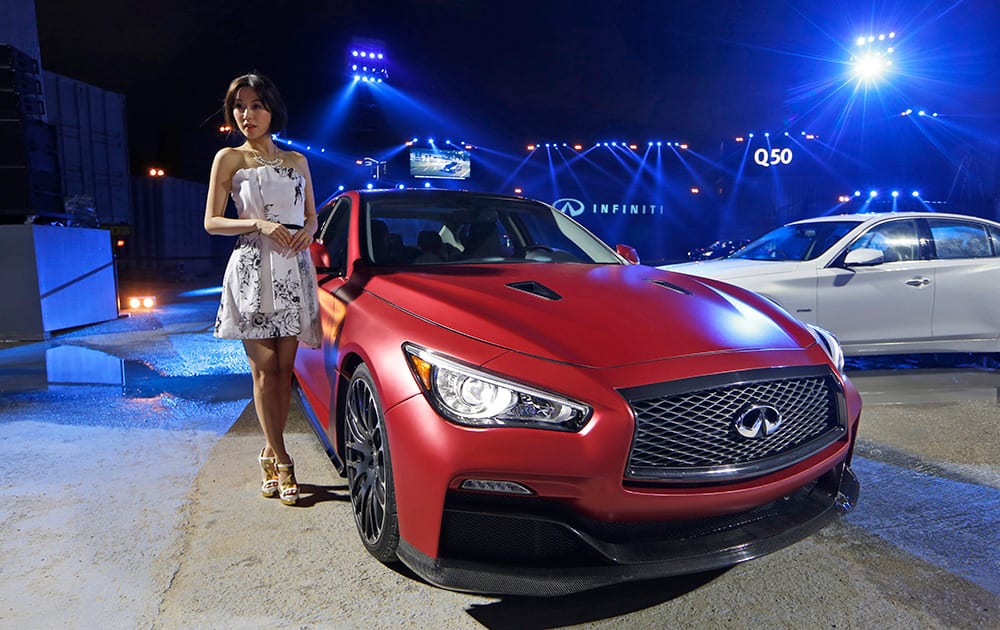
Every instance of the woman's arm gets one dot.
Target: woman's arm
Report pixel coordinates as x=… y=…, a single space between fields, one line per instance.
x=219 y=182
x=302 y=238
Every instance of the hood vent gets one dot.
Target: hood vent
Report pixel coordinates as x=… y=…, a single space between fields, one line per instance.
x=535 y=288
x=672 y=287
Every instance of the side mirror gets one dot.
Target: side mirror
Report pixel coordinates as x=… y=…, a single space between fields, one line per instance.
x=628 y=253
x=320 y=257
x=321 y=260
x=864 y=257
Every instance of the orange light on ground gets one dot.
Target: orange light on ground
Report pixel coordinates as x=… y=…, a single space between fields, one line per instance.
x=120 y=242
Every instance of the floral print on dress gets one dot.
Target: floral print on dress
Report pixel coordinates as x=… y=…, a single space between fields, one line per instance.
x=266 y=293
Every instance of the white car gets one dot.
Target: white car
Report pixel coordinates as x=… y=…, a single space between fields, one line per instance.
x=889 y=283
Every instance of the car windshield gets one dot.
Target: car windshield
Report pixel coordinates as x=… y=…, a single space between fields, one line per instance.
x=798 y=241
x=470 y=229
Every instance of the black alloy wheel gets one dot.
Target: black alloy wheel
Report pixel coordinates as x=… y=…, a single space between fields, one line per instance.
x=369 y=468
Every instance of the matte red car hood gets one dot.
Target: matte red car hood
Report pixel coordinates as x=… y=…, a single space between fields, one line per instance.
x=594 y=315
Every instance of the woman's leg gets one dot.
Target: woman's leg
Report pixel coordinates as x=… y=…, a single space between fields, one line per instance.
x=271 y=362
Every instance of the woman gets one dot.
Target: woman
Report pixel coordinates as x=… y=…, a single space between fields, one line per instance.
x=269 y=288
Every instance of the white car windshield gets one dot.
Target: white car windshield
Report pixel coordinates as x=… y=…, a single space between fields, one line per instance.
x=798 y=241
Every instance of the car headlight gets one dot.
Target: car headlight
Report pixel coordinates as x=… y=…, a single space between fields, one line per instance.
x=472 y=397
x=830 y=344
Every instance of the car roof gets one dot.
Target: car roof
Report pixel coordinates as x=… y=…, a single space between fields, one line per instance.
x=425 y=195
x=434 y=193
x=873 y=217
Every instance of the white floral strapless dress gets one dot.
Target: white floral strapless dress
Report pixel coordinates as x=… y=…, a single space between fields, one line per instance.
x=267 y=293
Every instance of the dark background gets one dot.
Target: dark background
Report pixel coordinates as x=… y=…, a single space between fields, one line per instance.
x=522 y=70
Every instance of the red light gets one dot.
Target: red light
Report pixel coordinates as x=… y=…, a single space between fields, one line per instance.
x=518 y=191
x=120 y=242
x=695 y=190
x=152 y=172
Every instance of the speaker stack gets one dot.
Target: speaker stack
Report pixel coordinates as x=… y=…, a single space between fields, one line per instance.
x=30 y=185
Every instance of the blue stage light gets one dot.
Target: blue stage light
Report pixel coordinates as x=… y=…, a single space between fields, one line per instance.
x=372 y=69
x=875 y=58
x=915 y=193
x=895 y=193
x=873 y=194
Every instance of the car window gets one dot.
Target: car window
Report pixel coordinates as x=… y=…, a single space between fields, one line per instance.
x=959 y=239
x=898 y=240
x=476 y=230
x=797 y=241
x=334 y=222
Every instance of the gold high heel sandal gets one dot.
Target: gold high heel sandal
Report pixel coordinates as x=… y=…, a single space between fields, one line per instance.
x=289 y=488
x=269 y=485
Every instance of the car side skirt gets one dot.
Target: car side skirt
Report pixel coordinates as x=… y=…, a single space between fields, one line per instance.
x=573 y=553
x=318 y=428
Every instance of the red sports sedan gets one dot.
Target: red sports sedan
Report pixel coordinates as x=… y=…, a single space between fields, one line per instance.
x=518 y=409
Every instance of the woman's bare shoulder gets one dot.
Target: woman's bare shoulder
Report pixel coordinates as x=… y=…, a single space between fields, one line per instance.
x=296 y=160
x=227 y=156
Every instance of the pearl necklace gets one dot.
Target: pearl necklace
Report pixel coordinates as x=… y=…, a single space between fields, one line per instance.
x=263 y=161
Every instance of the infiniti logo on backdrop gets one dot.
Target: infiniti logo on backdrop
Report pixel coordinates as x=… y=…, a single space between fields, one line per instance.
x=757 y=421
x=568 y=205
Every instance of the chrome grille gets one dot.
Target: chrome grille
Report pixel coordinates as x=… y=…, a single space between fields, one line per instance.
x=687 y=430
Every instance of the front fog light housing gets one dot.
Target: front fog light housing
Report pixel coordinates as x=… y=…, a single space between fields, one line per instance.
x=496 y=486
x=472 y=397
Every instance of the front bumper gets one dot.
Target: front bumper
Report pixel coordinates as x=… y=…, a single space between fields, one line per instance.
x=530 y=547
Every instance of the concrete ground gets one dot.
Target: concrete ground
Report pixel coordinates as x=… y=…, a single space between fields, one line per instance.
x=128 y=499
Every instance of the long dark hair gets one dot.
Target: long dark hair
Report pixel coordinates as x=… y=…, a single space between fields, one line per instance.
x=268 y=94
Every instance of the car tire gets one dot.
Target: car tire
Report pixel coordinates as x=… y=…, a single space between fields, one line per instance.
x=369 y=467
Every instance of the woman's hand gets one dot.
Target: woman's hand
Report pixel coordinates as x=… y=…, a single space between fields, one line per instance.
x=301 y=240
x=283 y=238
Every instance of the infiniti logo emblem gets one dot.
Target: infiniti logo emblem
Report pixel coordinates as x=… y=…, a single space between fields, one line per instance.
x=757 y=421
x=569 y=206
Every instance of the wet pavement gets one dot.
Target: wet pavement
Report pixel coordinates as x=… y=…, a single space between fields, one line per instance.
x=128 y=499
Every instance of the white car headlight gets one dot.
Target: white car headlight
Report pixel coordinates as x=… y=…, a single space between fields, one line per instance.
x=472 y=397
x=830 y=344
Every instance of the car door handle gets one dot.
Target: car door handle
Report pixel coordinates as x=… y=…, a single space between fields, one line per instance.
x=918 y=282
